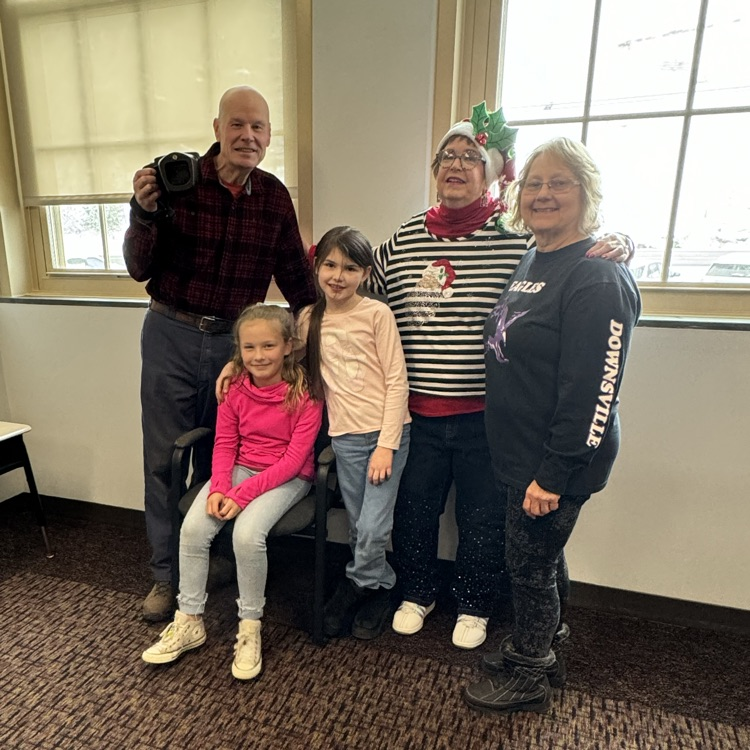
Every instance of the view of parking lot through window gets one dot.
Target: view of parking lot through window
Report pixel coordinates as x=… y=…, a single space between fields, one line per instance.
x=658 y=94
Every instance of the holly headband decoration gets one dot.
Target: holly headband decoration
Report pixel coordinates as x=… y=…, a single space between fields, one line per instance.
x=493 y=138
x=491 y=129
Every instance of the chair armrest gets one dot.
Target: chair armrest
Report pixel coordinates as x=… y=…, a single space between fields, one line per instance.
x=326 y=456
x=180 y=456
x=189 y=439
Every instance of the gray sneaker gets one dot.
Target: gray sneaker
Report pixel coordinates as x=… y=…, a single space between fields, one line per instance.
x=159 y=604
x=179 y=636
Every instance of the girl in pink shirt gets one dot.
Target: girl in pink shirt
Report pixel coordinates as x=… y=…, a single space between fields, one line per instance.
x=262 y=465
x=355 y=359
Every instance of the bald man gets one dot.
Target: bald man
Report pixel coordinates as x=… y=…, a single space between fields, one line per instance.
x=212 y=254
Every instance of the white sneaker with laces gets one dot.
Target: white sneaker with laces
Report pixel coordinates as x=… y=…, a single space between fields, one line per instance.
x=409 y=617
x=179 y=636
x=470 y=631
x=247 y=651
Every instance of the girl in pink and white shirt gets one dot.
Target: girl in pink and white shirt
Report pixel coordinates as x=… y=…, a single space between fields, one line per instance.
x=262 y=465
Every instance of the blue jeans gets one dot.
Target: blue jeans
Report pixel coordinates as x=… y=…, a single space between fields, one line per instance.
x=251 y=527
x=538 y=572
x=446 y=450
x=180 y=366
x=369 y=507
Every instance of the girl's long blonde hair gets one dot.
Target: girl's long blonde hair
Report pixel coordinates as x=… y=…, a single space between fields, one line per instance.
x=292 y=372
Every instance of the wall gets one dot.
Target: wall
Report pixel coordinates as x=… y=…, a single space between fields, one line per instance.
x=673 y=521
x=372 y=112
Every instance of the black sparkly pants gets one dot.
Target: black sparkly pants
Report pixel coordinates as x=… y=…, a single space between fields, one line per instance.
x=444 y=451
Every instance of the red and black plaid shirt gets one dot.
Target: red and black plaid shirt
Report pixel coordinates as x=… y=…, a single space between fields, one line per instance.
x=218 y=253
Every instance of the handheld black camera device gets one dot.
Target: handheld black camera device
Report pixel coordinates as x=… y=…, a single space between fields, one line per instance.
x=176 y=172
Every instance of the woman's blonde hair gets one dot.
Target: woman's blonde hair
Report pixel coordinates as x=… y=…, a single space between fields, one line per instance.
x=577 y=158
x=292 y=372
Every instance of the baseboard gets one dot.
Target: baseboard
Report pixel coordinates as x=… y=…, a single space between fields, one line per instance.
x=659 y=608
x=585 y=595
x=81 y=510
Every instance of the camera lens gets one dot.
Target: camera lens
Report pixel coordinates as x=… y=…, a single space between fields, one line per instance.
x=177 y=173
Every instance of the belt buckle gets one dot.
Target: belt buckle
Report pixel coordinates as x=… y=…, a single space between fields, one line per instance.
x=211 y=320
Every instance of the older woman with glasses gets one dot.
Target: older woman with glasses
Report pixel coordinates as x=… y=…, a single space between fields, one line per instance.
x=441 y=273
x=556 y=343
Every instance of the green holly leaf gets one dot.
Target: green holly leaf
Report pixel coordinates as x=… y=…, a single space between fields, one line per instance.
x=479 y=118
x=503 y=140
x=499 y=135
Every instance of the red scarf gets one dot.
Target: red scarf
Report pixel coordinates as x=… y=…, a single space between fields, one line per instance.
x=459 y=222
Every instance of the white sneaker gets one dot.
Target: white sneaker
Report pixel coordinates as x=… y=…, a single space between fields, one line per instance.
x=179 y=636
x=247 y=655
x=470 y=631
x=409 y=617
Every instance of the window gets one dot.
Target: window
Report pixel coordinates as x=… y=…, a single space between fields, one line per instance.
x=658 y=93
x=97 y=90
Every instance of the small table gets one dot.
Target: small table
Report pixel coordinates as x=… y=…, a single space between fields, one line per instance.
x=13 y=455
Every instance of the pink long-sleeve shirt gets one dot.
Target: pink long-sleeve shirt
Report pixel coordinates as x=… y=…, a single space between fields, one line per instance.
x=254 y=429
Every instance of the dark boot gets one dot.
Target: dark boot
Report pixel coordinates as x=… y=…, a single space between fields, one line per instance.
x=339 y=610
x=373 y=614
x=522 y=685
x=493 y=662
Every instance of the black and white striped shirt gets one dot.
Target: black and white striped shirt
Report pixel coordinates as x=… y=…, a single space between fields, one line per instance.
x=441 y=291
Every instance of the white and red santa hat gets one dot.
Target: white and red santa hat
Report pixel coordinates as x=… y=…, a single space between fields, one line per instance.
x=495 y=141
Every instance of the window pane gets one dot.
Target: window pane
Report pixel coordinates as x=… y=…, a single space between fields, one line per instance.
x=638 y=162
x=117 y=217
x=76 y=236
x=644 y=56
x=546 y=59
x=713 y=222
x=723 y=80
x=531 y=136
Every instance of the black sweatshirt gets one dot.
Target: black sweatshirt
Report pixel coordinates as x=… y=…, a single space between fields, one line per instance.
x=555 y=349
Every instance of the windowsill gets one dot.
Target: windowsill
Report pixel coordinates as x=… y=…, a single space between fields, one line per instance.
x=646 y=321
x=680 y=321
x=34 y=299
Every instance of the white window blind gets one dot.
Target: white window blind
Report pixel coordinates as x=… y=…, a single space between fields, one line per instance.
x=97 y=89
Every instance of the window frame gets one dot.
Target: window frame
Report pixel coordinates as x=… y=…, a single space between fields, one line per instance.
x=26 y=252
x=468 y=51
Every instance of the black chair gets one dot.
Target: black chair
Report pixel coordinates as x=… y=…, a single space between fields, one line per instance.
x=309 y=516
x=13 y=455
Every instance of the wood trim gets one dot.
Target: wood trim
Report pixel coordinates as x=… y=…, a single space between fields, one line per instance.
x=304 y=120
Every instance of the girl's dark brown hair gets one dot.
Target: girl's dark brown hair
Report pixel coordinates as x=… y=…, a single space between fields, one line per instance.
x=291 y=371
x=355 y=247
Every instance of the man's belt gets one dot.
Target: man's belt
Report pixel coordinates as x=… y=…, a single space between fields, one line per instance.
x=205 y=323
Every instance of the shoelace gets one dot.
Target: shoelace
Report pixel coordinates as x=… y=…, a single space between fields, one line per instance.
x=410 y=608
x=171 y=633
x=243 y=641
x=472 y=621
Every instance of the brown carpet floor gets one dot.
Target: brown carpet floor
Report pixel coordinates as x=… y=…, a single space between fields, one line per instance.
x=71 y=676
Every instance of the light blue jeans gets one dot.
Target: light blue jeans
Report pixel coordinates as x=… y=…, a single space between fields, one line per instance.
x=251 y=527
x=369 y=507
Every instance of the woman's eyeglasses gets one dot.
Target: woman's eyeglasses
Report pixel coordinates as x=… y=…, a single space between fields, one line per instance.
x=469 y=159
x=555 y=186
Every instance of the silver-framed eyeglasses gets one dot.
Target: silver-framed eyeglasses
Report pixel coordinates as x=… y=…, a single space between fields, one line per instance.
x=469 y=159
x=557 y=186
